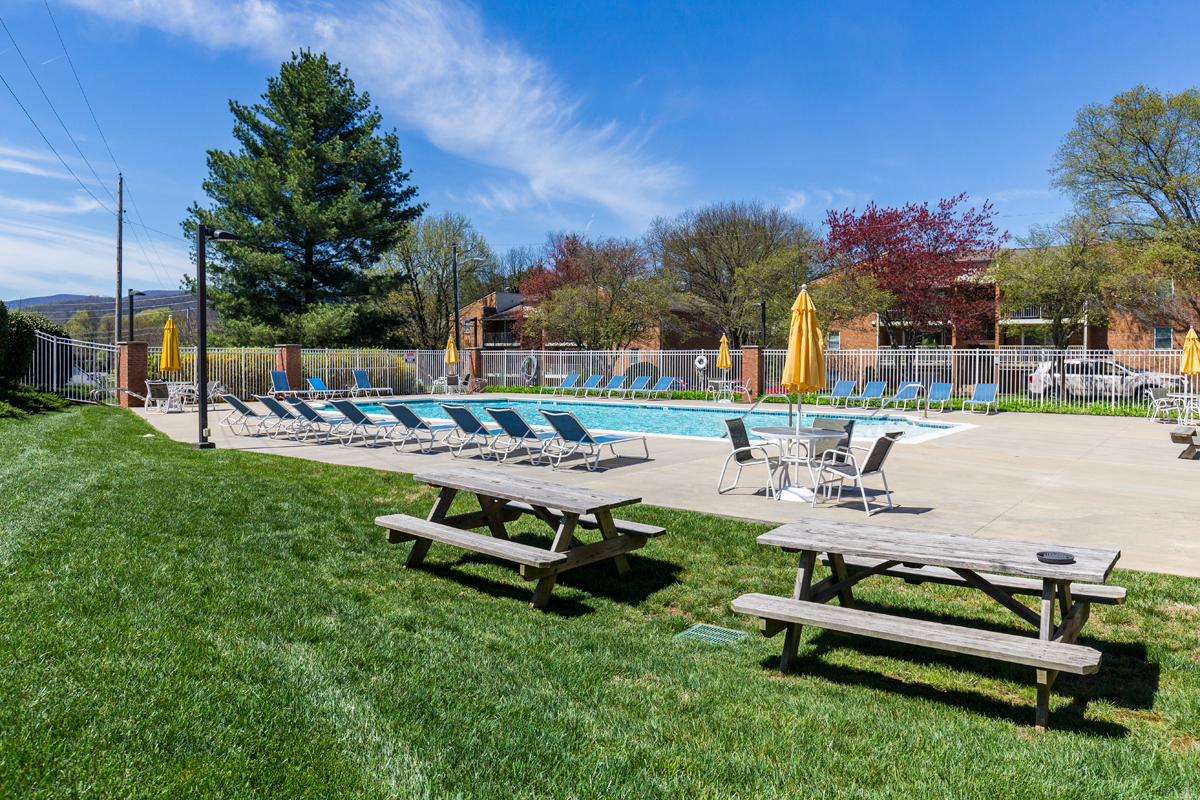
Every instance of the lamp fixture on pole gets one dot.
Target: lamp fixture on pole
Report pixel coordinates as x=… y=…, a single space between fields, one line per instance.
x=133 y=294
x=457 y=303
x=763 y=305
x=204 y=233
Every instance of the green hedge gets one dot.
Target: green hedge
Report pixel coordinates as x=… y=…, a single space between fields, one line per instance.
x=18 y=338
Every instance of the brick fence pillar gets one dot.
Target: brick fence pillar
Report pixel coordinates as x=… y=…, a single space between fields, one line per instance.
x=752 y=370
x=287 y=358
x=131 y=372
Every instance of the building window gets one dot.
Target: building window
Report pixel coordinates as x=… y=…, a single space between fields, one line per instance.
x=834 y=341
x=696 y=324
x=1164 y=338
x=1164 y=287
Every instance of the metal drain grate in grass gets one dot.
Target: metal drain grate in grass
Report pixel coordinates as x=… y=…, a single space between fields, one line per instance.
x=711 y=634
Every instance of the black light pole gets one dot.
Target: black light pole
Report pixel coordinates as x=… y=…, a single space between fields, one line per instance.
x=204 y=233
x=457 y=322
x=132 y=294
x=763 y=306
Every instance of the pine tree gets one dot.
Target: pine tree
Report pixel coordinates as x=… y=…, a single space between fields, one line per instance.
x=315 y=193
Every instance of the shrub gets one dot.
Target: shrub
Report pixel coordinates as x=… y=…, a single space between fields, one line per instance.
x=20 y=342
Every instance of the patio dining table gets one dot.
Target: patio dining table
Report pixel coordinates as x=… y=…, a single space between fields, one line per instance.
x=795 y=438
x=1189 y=402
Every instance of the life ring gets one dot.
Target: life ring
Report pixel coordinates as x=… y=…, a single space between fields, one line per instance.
x=701 y=362
x=529 y=367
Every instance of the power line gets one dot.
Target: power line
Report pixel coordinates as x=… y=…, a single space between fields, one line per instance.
x=33 y=75
x=138 y=239
x=80 y=84
x=52 y=150
x=103 y=138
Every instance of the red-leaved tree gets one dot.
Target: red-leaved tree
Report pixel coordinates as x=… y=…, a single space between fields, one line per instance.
x=925 y=260
x=558 y=267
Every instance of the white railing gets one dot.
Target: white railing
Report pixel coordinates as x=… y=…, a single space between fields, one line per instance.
x=404 y=371
x=508 y=368
x=1099 y=380
x=244 y=371
x=71 y=368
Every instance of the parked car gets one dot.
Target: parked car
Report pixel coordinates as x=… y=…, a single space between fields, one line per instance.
x=1096 y=379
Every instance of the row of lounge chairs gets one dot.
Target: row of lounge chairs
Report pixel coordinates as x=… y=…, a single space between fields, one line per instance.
x=614 y=388
x=317 y=390
x=984 y=395
x=295 y=418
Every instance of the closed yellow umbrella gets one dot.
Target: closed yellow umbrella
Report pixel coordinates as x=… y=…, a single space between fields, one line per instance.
x=1191 y=353
x=451 y=351
x=724 y=360
x=804 y=367
x=170 y=361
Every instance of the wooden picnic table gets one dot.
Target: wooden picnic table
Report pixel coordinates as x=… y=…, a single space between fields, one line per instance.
x=1001 y=568
x=503 y=498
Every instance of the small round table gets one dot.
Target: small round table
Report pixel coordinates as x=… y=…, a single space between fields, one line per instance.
x=1189 y=403
x=797 y=436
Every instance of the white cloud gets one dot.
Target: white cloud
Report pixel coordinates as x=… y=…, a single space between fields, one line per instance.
x=433 y=63
x=48 y=256
x=28 y=162
x=24 y=205
x=1022 y=194
x=820 y=199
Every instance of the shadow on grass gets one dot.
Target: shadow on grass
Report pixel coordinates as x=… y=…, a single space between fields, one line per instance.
x=1127 y=678
x=645 y=577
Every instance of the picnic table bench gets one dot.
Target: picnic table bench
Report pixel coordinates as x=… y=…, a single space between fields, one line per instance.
x=504 y=498
x=1001 y=568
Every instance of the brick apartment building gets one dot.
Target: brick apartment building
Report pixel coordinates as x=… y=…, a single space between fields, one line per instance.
x=1123 y=333
x=490 y=323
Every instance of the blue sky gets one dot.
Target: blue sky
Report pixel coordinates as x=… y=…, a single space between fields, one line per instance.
x=532 y=116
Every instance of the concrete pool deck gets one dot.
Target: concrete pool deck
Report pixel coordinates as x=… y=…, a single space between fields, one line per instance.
x=1102 y=481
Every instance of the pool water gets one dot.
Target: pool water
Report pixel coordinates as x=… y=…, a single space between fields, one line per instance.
x=668 y=420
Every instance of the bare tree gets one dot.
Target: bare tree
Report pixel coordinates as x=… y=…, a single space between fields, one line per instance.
x=727 y=256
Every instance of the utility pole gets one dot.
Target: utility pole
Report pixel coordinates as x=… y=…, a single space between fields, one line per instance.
x=120 y=233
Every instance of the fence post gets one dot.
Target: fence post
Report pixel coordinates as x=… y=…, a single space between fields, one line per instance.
x=132 y=372
x=287 y=358
x=752 y=370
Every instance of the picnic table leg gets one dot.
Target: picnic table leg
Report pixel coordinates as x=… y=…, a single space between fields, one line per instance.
x=1045 y=677
x=838 y=565
x=562 y=541
x=493 y=506
x=421 y=546
x=608 y=530
x=791 y=639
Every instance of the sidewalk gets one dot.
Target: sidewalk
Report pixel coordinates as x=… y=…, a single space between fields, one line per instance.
x=1069 y=479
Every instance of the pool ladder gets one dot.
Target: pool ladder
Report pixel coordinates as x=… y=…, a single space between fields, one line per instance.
x=725 y=435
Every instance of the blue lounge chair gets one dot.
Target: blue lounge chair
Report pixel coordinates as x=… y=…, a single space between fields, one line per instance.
x=590 y=385
x=362 y=386
x=908 y=393
x=280 y=385
x=357 y=421
x=317 y=388
x=573 y=437
x=638 y=385
x=873 y=391
x=567 y=384
x=285 y=419
x=663 y=384
x=414 y=424
x=939 y=393
x=984 y=395
x=311 y=419
x=614 y=385
x=517 y=434
x=243 y=416
x=468 y=429
x=841 y=391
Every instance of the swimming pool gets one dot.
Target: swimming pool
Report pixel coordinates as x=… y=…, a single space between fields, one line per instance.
x=668 y=420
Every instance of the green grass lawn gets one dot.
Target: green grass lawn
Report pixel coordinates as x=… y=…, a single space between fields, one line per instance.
x=226 y=624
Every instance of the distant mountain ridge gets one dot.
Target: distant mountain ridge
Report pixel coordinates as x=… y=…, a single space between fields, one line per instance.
x=60 y=298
